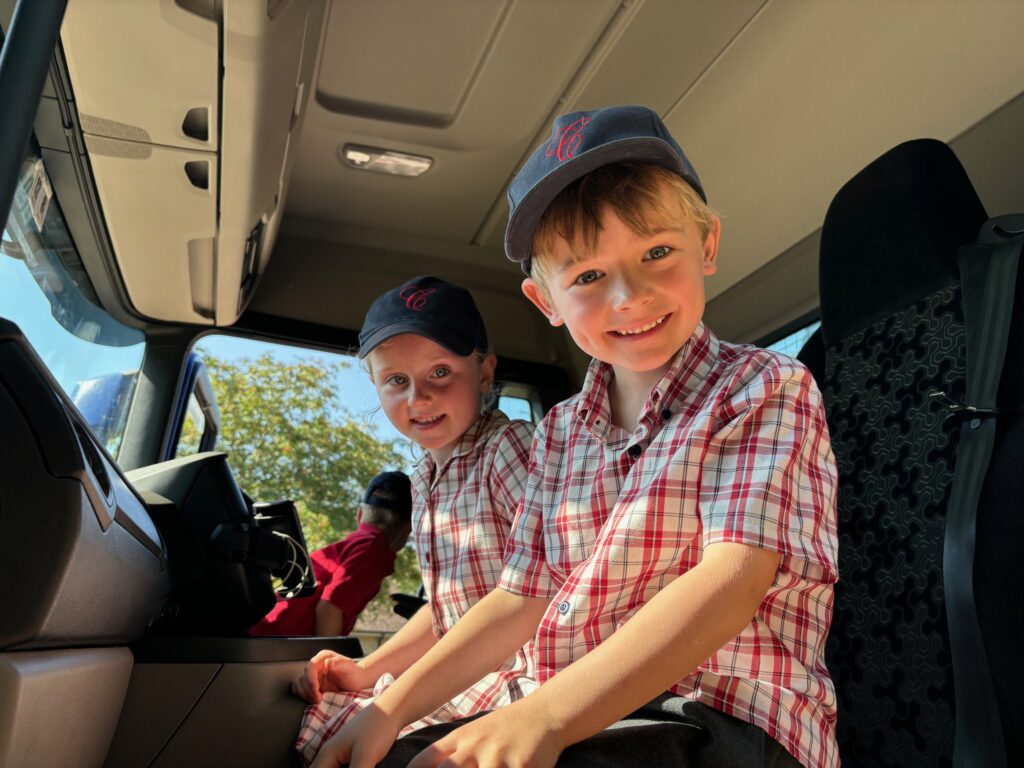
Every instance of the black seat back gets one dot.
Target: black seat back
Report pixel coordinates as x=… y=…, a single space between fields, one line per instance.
x=893 y=330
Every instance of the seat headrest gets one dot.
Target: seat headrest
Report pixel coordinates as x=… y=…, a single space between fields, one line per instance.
x=891 y=235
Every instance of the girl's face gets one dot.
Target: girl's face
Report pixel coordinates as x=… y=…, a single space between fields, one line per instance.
x=431 y=395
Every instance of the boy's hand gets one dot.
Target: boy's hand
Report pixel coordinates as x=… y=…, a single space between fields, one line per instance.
x=330 y=672
x=517 y=736
x=363 y=741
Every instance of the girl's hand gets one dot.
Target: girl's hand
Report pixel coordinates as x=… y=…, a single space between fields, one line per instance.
x=362 y=742
x=330 y=672
x=518 y=736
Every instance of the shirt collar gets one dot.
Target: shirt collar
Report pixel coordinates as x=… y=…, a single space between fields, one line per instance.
x=692 y=364
x=369 y=528
x=480 y=429
x=592 y=406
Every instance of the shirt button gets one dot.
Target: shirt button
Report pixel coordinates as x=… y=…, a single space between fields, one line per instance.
x=563 y=607
x=634 y=451
x=666 y=414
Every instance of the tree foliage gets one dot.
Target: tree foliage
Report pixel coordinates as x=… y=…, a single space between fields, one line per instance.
x=289 y=436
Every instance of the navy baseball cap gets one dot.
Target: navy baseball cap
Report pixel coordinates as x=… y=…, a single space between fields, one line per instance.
x=580 y=143
x=397 y=483
x=427 y=306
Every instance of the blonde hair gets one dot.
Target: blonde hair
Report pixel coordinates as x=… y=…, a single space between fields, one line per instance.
x=646 y=197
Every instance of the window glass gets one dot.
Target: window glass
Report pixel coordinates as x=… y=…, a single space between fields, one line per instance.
x=520 y=401
x=516 y=407
x=45 y=291
x=794 y=342
x=192 y=428
x=305 y=425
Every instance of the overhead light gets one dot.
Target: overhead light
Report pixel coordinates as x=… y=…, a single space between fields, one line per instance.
x=384 y=160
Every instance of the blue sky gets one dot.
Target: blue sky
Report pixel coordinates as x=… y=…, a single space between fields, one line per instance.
x=69 y=358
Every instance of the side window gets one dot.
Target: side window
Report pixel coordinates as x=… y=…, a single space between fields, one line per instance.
x=520 y=401
x=192 y=429
x=792 y=341
x=304 y=425
x=44 y=290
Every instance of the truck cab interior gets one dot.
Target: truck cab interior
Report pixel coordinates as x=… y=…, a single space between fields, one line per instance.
x=175 y=168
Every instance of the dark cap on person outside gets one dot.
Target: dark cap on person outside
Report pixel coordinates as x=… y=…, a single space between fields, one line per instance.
x=427 y=306
x=398 y=486
x=580 y=143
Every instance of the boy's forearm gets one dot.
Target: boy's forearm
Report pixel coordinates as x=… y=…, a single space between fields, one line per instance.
x=328 y=620
x=404 y=648
x=489 y=633
x=677 y=630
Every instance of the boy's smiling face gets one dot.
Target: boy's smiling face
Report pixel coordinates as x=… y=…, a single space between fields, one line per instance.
x=632 y=301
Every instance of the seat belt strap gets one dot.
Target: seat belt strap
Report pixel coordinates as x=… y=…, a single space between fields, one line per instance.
x=988 y=272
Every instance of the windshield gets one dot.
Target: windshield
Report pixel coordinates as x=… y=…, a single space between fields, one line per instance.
x=45 y=291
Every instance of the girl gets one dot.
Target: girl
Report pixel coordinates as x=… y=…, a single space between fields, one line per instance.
x=427 y=353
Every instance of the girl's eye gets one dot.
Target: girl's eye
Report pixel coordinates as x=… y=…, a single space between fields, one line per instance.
x=587 y=277
x=396 y=380
x=440 y=373
x=658 y=252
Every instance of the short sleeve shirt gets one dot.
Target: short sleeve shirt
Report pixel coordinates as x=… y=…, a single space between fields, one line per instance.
x=348 y=575
x=731 y=446
x=462 y=513
x=353 y=570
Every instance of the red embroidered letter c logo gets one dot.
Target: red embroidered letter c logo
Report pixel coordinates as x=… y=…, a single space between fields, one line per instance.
x=416 y=298
x=569 y=141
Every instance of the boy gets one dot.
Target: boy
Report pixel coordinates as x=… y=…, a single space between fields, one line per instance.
x=349 y=572
x=675 y=551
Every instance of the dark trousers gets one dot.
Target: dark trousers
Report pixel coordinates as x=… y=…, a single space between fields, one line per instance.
x=670 y=731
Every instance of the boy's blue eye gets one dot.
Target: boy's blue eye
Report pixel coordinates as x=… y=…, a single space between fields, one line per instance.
x=587 y=277
x=397 y=380
x=658 y=252
x=440 y=373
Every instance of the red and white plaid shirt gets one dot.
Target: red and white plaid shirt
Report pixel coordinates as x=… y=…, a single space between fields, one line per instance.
x=731 y=446
x=462 y=513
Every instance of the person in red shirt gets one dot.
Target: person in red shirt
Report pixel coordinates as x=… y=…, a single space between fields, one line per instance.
x=349 y=572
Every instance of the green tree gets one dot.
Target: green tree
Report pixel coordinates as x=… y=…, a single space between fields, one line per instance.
x=288 y=436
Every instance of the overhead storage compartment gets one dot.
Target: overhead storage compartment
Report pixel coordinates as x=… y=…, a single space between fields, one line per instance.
x=161 y=209
x=143 y=71
x=189 y=109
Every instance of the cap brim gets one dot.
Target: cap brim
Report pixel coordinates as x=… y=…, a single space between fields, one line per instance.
x=523 y=221
x=447 y=339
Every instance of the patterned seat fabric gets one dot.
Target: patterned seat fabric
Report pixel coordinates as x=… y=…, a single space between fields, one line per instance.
x=892 y=326
x=888 y=650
